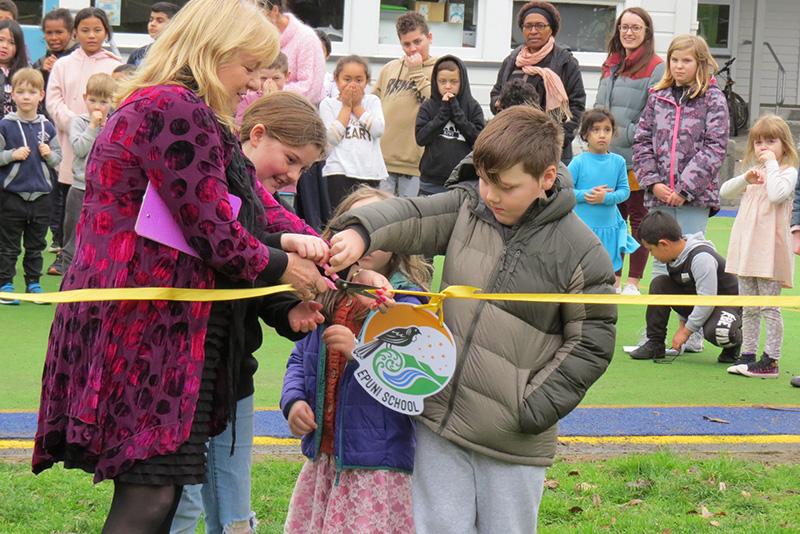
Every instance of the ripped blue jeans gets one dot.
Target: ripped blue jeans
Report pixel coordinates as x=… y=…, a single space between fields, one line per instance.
x=225 y=498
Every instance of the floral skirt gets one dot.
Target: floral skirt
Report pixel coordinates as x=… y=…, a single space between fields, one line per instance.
x=366 y=501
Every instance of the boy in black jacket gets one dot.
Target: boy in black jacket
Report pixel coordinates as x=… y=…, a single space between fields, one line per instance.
x=447 y=124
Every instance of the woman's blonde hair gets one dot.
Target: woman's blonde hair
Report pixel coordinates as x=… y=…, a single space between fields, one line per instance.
x=413 y=268
x=288 y=118
x=706 y=65
x=771 y=127
x=198 y=41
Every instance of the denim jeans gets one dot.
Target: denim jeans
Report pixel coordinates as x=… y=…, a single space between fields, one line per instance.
x=225 y=498
x=691 y=219
x=401 y=185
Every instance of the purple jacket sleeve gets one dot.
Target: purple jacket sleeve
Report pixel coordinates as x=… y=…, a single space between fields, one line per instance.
x=644 y=155
x=294 y=388
x=703 y=169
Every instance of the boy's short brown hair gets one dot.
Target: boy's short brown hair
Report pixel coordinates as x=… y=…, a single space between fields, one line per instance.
x=519 y=134
x=410 y=21
x=281 y=63
x=101 y=85
x=27 y=76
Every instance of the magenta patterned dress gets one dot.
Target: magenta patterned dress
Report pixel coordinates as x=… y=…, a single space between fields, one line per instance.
x=121 y=379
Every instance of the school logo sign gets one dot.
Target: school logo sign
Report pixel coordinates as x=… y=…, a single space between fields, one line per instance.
x=404 y=356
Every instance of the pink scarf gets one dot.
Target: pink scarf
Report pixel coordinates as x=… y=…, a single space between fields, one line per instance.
x=556 y=98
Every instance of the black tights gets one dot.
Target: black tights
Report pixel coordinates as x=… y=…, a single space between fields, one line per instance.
x=140 y=508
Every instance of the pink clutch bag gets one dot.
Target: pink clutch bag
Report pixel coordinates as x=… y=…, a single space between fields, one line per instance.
x=157 y=223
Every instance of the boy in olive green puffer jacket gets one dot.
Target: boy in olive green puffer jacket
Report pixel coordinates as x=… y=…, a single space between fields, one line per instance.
x=485 y=440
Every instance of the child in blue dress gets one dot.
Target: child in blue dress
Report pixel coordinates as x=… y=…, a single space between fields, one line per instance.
x=601 y=182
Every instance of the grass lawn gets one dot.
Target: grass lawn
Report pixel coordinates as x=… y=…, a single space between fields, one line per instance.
x=692 y=379
x=654 y=493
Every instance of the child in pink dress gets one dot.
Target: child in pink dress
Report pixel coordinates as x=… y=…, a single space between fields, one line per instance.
x=360 y=453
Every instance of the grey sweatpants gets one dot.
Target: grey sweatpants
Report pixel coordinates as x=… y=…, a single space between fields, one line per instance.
x=460 y=491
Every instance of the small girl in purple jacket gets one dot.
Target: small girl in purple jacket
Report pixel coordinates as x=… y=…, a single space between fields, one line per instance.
x=361 y=454
x=682 y=138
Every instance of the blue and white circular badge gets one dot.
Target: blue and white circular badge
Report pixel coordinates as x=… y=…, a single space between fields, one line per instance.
x=404 y=356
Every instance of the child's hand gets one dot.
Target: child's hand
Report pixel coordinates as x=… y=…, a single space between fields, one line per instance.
x=48 y=63
x=301 y=419
x=754 y=175
x=307 y=246
x=21 y=153
x=597 y=195
x=356 y=95
x=675 y=199
x=340 y=338
x=97 y=120
x=680 y=337
x=414 y=60
x=269 y=87
x=766 y=155
x=662 y=192
x=44 y=150
x=347 y=247
x=374 y=278
x=305 y=317
x=796 y=242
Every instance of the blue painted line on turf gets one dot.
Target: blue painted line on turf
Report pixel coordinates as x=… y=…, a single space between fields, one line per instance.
x=589 y=422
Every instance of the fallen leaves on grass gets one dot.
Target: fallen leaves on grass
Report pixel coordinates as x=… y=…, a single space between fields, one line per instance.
x=746 y=494
x=574 y=473
x=633 y=502
x=609 y=525
x=551 y=484
x=723 y=487
x=597 y=500
x=640 y=483
x=583 y=487
x=576 y=510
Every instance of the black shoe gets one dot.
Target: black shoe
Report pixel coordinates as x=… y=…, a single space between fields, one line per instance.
x=743 y=361
x=730 y=355
x=652 y=350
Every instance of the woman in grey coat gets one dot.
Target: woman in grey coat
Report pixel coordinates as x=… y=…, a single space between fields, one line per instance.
x=631 y=69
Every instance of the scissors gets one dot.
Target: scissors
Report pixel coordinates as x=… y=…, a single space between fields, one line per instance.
x=360 y=289
x=352 y=287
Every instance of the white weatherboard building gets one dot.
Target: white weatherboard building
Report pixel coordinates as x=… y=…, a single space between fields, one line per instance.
x=485 y=32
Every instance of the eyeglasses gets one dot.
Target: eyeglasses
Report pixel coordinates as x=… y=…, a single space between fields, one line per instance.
x=624 y=28
x=540 y=26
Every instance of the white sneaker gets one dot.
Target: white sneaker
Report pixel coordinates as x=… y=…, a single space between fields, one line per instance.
x=694 y=343
x=631 y=289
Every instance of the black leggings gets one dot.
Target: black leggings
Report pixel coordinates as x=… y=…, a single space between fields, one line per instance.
x=142 y=509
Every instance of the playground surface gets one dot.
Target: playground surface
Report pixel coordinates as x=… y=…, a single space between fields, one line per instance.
x=690 y=404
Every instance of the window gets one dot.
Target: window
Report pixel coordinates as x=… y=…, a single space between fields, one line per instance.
x=453 y=24
x=132 y=16
x=326 y=15
x=30 y=12
x=584 y=27
x=714 y=19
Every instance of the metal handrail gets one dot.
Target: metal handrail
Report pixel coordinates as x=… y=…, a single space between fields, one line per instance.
x=780 y=89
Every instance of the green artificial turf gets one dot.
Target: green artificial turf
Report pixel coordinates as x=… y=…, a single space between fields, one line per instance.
x=691 y=379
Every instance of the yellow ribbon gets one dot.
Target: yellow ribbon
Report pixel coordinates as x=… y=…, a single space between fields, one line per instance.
x=435 y=303
x=148 y=293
